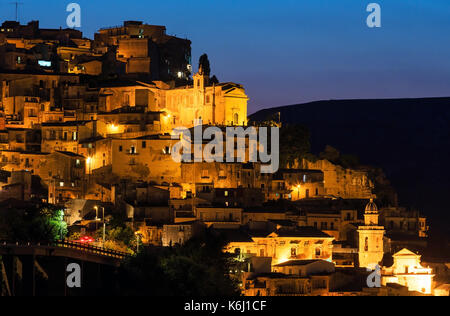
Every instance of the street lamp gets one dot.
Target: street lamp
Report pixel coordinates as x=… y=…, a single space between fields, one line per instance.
x=104 y=223
x=104 y=227
x=96 y=217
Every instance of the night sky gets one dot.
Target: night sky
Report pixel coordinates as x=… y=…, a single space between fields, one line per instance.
x=290 y=51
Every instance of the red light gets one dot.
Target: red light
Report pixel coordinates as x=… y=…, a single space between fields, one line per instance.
x=86 y=240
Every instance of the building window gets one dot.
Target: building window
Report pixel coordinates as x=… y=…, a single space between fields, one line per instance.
x=293 y=252
x=318 y=252
x=236 y=118
x=166 y=150
x=366 y=244
x=144 y=144
x=205 y=174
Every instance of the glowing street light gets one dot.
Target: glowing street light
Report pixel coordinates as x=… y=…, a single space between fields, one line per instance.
x=113 y=128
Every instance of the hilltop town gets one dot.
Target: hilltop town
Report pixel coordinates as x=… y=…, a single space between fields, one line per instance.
x=86 y=126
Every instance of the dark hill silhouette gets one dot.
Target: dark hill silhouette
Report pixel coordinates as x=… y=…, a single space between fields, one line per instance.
x=408 y=138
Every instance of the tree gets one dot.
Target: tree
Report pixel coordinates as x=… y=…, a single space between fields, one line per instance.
x=214 y=80
x=204 y=65
x=331 y=154
x=32 y=223
x=294 y=144
x=199 y=268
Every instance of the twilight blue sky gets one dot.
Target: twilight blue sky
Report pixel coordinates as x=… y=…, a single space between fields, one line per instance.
x=291 y=51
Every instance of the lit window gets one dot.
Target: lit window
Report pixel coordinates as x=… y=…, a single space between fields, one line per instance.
x=166 y=150
x=61 y=184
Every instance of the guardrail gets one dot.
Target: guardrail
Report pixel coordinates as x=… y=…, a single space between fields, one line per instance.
x=71 y=245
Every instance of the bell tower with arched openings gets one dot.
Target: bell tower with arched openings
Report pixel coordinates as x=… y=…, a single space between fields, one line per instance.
x=370 y=238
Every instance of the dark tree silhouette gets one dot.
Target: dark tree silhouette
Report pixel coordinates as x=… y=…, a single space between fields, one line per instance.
x=204 y=64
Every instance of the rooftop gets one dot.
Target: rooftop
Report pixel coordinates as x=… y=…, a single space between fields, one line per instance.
x=297 y=263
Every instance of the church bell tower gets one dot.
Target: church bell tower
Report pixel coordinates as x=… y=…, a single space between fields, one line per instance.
x=370 y=238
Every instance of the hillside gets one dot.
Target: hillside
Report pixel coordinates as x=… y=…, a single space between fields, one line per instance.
x=408 y=138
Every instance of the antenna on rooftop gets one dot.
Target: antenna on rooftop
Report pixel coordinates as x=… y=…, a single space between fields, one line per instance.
x=17 y=4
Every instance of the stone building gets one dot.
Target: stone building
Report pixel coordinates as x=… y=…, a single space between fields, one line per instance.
x=282 y=244
x=341 y=182
x=408 y=271
x=398 y=220
x=64 y=174
x=66 y=136
x=179 y=234
x=147 y=49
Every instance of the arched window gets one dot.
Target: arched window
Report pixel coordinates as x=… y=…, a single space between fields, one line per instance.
x=236 y=118
x=318 y=252
x=366 y=246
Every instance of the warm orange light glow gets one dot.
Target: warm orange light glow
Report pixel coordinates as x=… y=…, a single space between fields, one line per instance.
x=113 y=128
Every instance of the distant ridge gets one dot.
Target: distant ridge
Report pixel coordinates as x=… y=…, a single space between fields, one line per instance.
x=408 y=138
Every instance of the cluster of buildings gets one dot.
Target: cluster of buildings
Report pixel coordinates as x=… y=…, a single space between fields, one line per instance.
x=87 y=124
x=134 y=49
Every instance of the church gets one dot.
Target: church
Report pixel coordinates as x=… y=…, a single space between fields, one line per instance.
x=408 y=271
x=371 y=250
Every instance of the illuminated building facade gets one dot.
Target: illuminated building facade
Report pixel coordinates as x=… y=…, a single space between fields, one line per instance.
x=408 y=271
x=371 y=235
x=284 y=244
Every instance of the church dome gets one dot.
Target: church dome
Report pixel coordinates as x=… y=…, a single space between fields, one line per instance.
x=371 y=207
